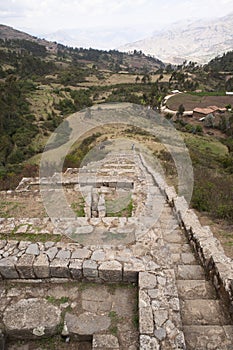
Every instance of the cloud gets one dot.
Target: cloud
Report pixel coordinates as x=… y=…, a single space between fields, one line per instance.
x=48 y=16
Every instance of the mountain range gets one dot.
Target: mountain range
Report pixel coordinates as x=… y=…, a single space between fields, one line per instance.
x=198 y=41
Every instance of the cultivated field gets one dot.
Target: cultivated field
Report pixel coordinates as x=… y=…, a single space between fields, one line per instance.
x=192 y=101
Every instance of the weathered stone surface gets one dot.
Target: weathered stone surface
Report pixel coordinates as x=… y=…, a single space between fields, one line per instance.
x=84 y=230
x=160 y=333
x=87 y=323
x=30 y=318
x=147 y=280
x=146 y=324
x=63 y=254
x=143 y=299
x=160 y=317
x=41 y=266
x=24 y=266
x=7 y=268
x=33 y=249
x=110 y=271
x=90 y=269
x=195 y=289
x=202 y=312
x=129 y=273
x=98 y=255
x=147 y=343
x=75 y=268
x=105 y=341
x=97 y=299
x=207 y=337
x=188 y=258
x=81 y=253
x=59 y=268
x=51 y=252
x=190 y=272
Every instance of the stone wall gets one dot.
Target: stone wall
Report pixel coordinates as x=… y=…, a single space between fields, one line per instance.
x=217 y=265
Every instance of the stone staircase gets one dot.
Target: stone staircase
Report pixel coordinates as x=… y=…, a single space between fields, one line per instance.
x=205 y=318
x=179 y=307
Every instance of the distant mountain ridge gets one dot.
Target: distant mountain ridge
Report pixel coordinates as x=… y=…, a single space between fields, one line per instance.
x=198 y=41
x=10 y=33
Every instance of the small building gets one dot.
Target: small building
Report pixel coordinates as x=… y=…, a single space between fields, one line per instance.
x=199 y=113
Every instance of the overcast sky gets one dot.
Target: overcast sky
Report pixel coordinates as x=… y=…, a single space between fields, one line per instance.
x=47 y=16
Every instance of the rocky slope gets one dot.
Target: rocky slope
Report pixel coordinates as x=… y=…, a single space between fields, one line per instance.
x=197 y=41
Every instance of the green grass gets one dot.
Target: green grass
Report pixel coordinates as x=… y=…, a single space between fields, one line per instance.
x=204 y=144
x=6 y=208
x=125 y=212
x=207 y=93
x=56 y=301
x=31 y=237
x=79 y=208
x=114 y=321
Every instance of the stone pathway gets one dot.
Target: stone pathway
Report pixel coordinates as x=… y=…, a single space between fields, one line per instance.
x=184 y=279
x=205 y=318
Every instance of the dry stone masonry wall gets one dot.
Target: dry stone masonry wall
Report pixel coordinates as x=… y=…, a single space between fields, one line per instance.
x=157 y=257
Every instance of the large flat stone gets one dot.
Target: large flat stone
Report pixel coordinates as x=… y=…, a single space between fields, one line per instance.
x=190 y=272
x=86 y=323
x=191 y=289
x=207 y=337
x=203 y=312
x=97 y=299
x=81 y=253
x=31 y=318
x=105 y=341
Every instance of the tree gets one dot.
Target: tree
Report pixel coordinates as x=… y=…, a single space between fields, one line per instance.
x=181 y=110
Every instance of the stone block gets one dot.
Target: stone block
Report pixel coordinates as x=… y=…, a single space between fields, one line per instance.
x=146 y=324
x=90 y=269
x=87 y=323
x=75 y=268
x=59 y=268
x=105 y=341
x=33 y=249
x=81 y=253
x=31 y=319
x=24 y=266
x=7 y=268
x=147 y=342
x=111 y=271
x=41 y=266
x=147 y=280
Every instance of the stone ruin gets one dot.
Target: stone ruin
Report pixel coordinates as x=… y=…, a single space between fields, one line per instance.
x=179 y=274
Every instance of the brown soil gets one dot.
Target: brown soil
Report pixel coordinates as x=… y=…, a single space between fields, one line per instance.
x=191 y=101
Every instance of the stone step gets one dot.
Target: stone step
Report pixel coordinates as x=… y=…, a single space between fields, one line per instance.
x=207 y=312
x=184 y=258
x=189 y=272
x=192 y=289
x=209 y=337
x=176 y=248
x=174 y=236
